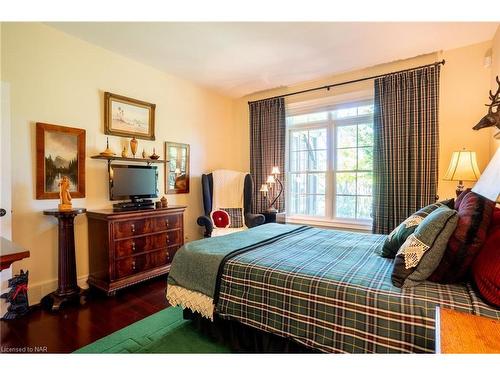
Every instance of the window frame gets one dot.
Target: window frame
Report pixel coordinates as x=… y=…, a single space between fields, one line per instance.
x=331 y=125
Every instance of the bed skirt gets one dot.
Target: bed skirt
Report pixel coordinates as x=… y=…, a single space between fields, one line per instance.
x=241 y=338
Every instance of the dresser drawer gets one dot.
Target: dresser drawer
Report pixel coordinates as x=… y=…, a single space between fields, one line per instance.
x=135 y=264
x=123 y=229
x=174 y=237
x=172 y=221
x=136 y=245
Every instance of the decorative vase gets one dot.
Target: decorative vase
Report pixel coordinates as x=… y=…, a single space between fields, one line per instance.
x=154 y=156
x=133 y=146
x=164 y=202
x=144 y=155
x=124 y=152
x=108 y=151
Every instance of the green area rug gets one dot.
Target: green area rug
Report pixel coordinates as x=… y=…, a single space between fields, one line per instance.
x=163 y=332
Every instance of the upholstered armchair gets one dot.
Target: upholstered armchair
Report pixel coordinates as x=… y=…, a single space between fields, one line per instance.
x=251 y=220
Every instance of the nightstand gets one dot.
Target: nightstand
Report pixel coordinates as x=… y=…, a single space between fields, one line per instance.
x=461 y=333
x=274 y=217
x=270 y=217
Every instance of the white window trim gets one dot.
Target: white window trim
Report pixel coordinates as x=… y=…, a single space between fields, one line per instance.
x=331 y=125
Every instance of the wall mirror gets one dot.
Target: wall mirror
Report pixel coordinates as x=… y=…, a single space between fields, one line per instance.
x=176 y=168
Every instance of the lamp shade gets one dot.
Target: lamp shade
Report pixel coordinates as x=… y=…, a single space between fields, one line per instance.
x=270 y=179
x=275 y=170
x=488 y=184
x=463 y=167
x=263 y=188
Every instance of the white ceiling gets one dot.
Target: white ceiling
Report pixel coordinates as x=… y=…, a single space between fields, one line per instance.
x=240 y=58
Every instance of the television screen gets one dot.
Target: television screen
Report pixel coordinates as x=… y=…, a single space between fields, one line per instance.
x=132 y=182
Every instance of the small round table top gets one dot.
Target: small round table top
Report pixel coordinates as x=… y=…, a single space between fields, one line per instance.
x=56 y=212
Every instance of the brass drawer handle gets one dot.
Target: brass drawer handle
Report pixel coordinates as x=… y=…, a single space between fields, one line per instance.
x=166 y=237
x=166 y=222
x=168 y=255
x=132 y=226
x=133 y=265
x=133 y=245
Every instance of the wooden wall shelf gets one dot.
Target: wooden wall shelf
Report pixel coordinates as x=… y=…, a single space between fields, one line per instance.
x=120 y=158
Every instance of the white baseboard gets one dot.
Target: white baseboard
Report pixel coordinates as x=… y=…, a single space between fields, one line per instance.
x=39 y=290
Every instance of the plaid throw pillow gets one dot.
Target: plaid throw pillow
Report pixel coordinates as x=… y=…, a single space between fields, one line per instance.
x=236 y=215
x=422 y=251
x=399 y=235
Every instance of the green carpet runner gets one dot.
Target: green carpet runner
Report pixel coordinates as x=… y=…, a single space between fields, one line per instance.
x=163 y=332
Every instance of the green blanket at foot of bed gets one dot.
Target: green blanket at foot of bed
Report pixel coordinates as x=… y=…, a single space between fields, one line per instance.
x=196 y=264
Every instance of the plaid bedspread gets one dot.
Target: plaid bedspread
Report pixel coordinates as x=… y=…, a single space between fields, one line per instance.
x=330 y=290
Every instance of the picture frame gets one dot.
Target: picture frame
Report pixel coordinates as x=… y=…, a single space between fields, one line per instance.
x=176 y=176
x=60 y=151
x=127 y=117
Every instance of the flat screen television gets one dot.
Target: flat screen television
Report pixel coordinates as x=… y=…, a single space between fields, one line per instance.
x=134 y=182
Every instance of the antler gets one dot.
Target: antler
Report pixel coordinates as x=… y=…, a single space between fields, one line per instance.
x=495 y=100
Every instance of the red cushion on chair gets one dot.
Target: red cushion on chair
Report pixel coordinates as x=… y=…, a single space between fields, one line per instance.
x=486 y=266
x=221 y=219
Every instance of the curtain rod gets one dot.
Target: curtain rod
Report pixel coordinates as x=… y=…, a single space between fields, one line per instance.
x=442 y=62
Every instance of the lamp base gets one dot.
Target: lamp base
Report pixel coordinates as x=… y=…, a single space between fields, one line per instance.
x=460 y=188
x=272 y=210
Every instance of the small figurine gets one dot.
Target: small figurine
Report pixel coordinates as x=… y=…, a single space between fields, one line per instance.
x=164 y=202
x=64 y=195
x=17 y=296
x=144 y=155
x=124 y=152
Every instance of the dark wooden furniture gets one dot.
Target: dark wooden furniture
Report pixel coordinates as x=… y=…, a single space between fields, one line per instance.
x=126 y=248
x=274 y=217
x=269 y=216
x=461 y=333
x=10 y=253
x=67 y=289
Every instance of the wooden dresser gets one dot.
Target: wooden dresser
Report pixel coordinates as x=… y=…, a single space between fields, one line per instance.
x=126 y=248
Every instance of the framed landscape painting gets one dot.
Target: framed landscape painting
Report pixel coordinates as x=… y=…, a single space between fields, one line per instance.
x=127 y=117
x=60 y=151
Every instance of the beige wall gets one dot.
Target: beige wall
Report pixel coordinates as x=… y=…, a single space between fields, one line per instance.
x=464 y=84
x=495 y=71
x=58 y=79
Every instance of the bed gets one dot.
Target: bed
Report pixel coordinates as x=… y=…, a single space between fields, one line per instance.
x=326 y=290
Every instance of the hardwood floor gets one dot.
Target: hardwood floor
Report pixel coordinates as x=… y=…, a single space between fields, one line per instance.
x=76 y=326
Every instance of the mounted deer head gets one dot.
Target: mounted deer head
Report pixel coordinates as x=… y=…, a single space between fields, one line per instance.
x=493 y=116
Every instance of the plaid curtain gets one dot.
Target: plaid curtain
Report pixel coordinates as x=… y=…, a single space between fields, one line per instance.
x=267 y=147
x=406 y=145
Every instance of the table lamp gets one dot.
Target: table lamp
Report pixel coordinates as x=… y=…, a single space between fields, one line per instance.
x=488 y=184
x=463 y=167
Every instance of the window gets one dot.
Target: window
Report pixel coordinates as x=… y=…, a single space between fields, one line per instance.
x=330 y=163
